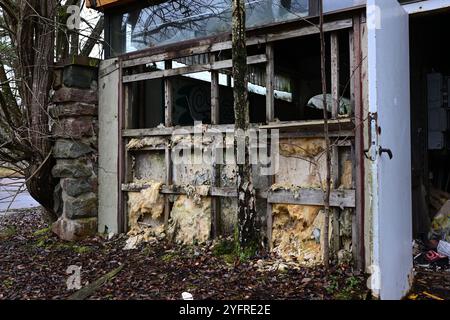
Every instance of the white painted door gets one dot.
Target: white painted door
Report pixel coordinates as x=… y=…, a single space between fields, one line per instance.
x=389 y=100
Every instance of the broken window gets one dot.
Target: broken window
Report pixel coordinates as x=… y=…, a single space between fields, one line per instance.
x=180 y=20
x=194 y=83
x=173 y=21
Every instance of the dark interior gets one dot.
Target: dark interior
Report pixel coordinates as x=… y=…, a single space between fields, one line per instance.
x=430 y=85
x=297 y=80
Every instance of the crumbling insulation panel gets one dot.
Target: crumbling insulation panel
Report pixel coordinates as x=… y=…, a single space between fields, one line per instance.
x=190 y=220
x=150 y=165
x=302 y=162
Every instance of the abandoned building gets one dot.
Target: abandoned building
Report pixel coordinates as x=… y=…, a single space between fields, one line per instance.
x=166 y=87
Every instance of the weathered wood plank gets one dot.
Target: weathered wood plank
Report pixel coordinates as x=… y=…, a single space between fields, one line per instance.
x=126 y=156
x=168 y=164
x=215 y=111
x=352 y=69
x=359 y=64
x=269 y=216
x=335 y=75
x=167 y=131
x=313 y=197
x=270 y=75
x=334 y=124
x=217 y=65
x=164 y=132
x=348 y=134
x=270 y=116
x=210 y=46
x=335 y=174
x=215 y=202
x=168 y=96
x=88 y=290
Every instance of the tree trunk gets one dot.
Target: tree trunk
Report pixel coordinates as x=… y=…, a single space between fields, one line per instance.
x=247 y=230
x=29 y=27
x=326 y=227
x=39 y=180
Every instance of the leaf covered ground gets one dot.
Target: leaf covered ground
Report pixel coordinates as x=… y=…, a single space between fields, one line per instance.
x=34 y=264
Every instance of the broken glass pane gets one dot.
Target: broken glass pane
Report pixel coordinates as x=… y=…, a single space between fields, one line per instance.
x=180 y=20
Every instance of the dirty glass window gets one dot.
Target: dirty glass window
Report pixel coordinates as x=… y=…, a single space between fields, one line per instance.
x=179 y=20
x=334 y=5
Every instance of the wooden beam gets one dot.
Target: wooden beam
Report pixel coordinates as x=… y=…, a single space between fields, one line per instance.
x=270 y=117
x=358 y=239
x=168 y=107
x=126 y=165
x=215 y=201
x=168 y=164
x=269 y=209
x=270 y=75
x=352 y=69
x=294 y=130
x=313 y=197
x=335 y=174
x=335 y=92
x=334 y=124
x=212 y=45
x=152 y=132
x=218 y=65
x=215 y=111
x=345 y=135
x=168 y=96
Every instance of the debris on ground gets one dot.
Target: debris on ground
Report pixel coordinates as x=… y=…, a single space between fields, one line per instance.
x=440 y=225
x=430 y=284
x=34 y=265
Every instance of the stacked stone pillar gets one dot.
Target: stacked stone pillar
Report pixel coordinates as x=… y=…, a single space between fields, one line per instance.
x=75 y=131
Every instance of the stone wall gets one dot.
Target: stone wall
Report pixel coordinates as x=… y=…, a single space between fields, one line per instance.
x=75 y=132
